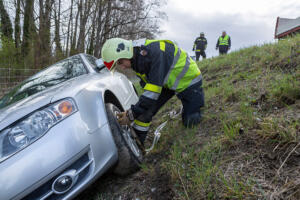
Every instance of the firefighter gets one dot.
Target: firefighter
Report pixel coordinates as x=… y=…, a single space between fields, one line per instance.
x=165 y=70
x=223 y=43
x=199 y=47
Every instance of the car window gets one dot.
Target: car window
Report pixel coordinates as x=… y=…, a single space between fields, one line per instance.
x=92 y=61
x=53 y=75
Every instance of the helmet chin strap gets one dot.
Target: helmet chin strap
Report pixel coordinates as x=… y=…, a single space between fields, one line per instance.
x=108 y=64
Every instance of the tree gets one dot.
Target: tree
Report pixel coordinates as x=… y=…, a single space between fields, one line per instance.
x=43 y=55
x=17 y=25
x=56 y=28
x=6 y=26
x=131 y=19
x=99 y=20
x=58 y=49
x=28 y=28
x=84 y=11
x=68 y=29
x=91 y=45
x=74 y=36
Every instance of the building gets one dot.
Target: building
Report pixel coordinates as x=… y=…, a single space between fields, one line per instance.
x=286 y=27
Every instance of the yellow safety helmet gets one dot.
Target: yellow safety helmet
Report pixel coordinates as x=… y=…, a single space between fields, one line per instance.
x=115 y=49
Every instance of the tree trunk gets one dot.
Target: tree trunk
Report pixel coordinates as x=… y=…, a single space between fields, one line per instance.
x=74 y=37
x=102 y=37
x=99 y=28
x=107 y=21
x=81 y=28
x=6 y=26
x=43 y=55
x=84 y=14
x=17 y=25
x=92 y=38
x=58 y=49
x=68 y=32
x=27 y=27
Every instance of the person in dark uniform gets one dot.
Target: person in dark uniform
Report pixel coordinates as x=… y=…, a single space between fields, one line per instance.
x=165 y=70
x=199 y=47
x=223 y=43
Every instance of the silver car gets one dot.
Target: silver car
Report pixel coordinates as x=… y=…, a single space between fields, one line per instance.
x=59 y=132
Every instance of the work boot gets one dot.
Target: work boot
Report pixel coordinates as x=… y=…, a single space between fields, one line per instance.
x=139 y=138
x=192 y=120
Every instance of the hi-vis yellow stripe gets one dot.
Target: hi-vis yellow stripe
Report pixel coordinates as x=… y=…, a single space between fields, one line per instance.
x=153 y=88
x=162 y=45
x=137 y=122
x=142 y=76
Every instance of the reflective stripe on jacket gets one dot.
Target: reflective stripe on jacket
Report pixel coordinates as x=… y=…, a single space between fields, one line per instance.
x=183 y=72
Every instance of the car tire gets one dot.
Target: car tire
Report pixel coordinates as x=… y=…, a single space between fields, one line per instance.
x=130 y=156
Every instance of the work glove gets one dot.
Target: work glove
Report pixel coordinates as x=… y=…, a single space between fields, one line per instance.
x=216 y=48
x=125 y=118
x=193 y=50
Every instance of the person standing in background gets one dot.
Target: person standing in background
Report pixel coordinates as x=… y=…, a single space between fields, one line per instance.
x=223 y=43
x=199 y=47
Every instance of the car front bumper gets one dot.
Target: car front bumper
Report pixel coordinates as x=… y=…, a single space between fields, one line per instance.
x=71 y=144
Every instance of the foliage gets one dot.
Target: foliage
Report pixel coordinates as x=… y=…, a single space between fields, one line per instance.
x=8 y=54
x=63 y=28
x=5 y=24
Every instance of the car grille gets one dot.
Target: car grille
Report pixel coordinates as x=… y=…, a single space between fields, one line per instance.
x=44 y=192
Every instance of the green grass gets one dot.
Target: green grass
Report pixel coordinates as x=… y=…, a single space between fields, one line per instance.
x=285 y=89
x=251 y=104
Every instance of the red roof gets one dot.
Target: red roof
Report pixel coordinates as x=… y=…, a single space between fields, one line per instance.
x=285 y=26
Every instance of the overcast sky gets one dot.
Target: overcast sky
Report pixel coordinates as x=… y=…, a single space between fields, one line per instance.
x=246 y=22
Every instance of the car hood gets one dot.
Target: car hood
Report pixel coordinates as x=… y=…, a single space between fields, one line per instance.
x=16 y=111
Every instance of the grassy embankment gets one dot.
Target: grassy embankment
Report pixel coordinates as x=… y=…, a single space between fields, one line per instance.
x=247 y=146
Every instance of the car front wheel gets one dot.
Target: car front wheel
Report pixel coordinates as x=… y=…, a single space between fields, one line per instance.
x=130 y=155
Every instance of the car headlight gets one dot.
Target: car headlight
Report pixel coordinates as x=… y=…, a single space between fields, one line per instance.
x=34 y=126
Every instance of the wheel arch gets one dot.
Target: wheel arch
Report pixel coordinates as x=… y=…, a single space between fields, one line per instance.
x=109 y=97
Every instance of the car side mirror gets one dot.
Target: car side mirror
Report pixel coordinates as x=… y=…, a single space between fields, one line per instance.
x=100 y=63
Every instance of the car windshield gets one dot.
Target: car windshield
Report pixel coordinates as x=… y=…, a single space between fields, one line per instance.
x=53 y=75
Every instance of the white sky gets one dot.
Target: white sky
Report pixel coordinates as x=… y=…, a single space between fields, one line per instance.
x=246 y=22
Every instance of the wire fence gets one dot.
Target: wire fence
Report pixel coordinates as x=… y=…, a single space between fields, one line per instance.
x=10 y=77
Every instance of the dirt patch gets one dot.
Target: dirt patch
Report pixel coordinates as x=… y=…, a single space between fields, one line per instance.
x=265 y=159
x=270 y=176
x=288 y=64
x=151 y=184
x=233 y=97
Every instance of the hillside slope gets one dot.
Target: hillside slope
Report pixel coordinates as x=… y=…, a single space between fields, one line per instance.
x=247 y=146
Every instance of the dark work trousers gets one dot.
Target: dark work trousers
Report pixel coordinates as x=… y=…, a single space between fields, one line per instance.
x=223 y=49
x=202 y=53
x=192 y=100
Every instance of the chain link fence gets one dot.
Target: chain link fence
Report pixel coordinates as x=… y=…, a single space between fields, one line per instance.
x=9 y=78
